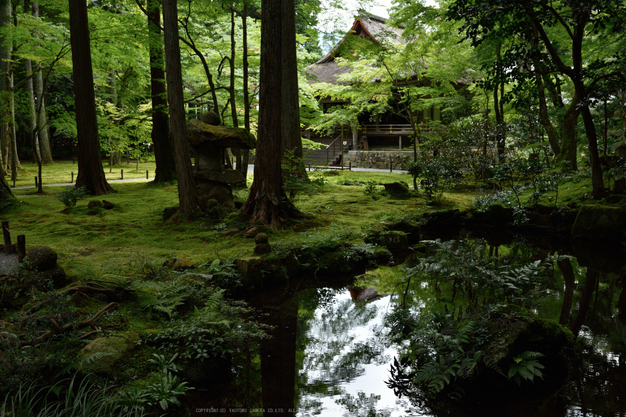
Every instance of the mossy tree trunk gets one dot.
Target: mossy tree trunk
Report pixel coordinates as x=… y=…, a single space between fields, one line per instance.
x=267 y=202
x=186 y=187
x=90 y=171
x=163 y=152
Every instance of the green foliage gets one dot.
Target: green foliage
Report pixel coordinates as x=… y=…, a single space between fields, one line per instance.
x=526 y=366
x=72 y=397
x=439 y=174
x=70 y=196
x=297 y=181
x=468 y=325
x=162 y=390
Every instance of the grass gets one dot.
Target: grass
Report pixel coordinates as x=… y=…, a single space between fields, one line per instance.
x=60 y=172
x=112 y=241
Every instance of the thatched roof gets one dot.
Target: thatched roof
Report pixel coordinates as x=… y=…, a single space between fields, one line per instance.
x=373 y=28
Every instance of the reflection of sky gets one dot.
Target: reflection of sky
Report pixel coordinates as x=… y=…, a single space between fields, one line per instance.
x=344 y=325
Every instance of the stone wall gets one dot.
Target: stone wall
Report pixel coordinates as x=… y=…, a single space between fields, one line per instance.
x=379 y=159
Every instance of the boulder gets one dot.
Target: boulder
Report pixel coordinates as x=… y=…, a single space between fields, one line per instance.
x=210 y=118
x=177 y=264
x=93 y=204
x=41 y=258
x=107 y=205
x=51 y=279
x=619 y=186
x=396 y=188
x=108 y=351
x=602 y=223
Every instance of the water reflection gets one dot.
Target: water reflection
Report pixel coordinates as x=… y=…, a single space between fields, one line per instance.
x=328 y=355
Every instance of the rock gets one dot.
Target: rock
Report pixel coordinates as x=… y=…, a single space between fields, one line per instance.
x=600 y=223
x=393 y=240
x=177 y=264
x=41 y=258
x=115 y=348
x=619 y=186
x=93 y=204
x=210 y=206
x=44 y=281
x=262 y=246
x=251 y=271
x=396 y=188
x=210 y=118
x=210 y=190
x=168 y=212
x=107 y=205
x=447 y=221
x=205 y=136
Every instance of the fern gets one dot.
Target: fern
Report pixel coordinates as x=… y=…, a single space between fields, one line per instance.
x=526 y=366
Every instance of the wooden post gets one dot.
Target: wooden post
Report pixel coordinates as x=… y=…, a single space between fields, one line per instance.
x=21 y=247
x=72 y=182
x=350 y=166
x=36 y=182
x=7 y=236
x=390 y=164
x=122 y=171
x=146 y=174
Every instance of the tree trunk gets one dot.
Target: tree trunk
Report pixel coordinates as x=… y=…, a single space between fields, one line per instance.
x=290 y=135
x=6 y=196
x=5 y=57
x=553 y=137
x=245 y=153
x=42 y=130
x=569 y=142
x=163 y=152
x=186 y=186
x=267 y=202
x=90 y=171
x=597 y=183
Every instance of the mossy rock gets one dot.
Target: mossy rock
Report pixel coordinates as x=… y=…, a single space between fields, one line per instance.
x=102 y=354
x=601 y=223
x=41 y=258
x=393 y=240
x=179 y=264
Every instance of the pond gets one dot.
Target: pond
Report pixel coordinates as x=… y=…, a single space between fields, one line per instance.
x=330 y=353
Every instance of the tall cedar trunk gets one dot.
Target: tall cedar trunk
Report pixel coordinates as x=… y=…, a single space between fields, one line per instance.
x=90 y=171
x=186 y=187
x=267 y=202
x=34 y=133
x=5 y=57
x=597 y=183
x=32 y=111
x=15 y=162
x=42 y=115
x=245 y=153
x=291 y=139
x=5 y=192
x=163 y=151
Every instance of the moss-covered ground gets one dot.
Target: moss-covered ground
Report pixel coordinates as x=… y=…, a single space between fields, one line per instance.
x=103 y=241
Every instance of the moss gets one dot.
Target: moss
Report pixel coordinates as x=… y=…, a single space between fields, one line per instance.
x=600 y=222
x=102 y=354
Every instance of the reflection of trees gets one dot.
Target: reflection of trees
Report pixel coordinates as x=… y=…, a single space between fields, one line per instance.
x=336 y=354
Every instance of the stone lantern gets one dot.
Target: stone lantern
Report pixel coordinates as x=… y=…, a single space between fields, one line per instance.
x=210 y=143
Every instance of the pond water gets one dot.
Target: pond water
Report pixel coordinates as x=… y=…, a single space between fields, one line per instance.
x=329 y=355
